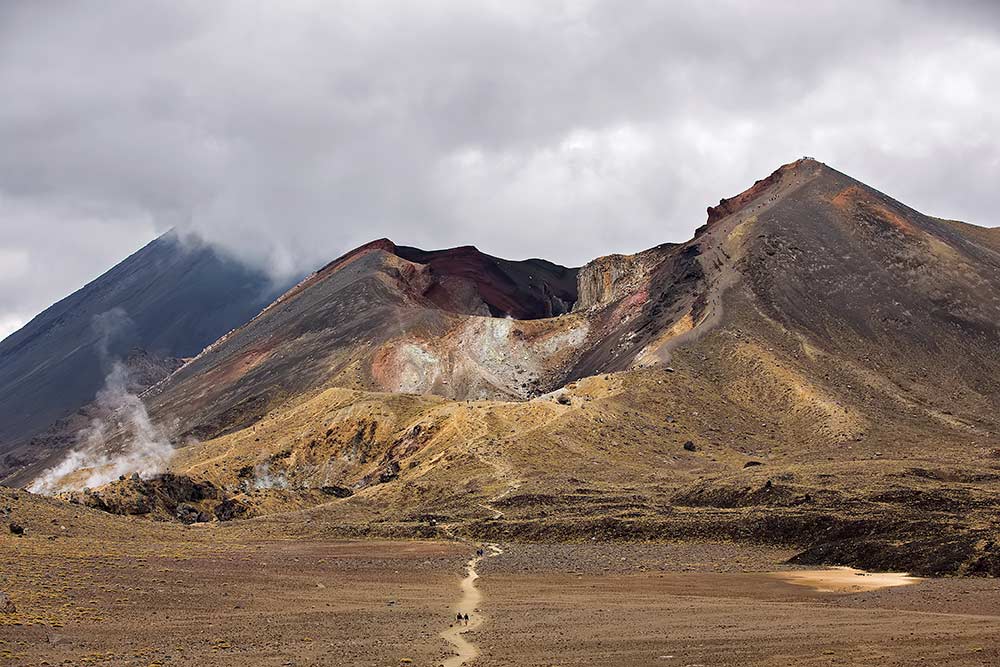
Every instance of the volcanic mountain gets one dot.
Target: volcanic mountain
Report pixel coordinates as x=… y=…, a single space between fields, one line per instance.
x=165 y=302
x=807 y=252
x=819 y=366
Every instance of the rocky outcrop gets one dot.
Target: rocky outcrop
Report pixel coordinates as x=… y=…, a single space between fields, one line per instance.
x=188 y=514
x=525 y=290
x=600 y=280
x=734 y=204
x=336 y=491
x=162 y=496
x=230 y=509
x=612 y=277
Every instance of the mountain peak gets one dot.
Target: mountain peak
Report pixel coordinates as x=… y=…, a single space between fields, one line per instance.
x=728 y=206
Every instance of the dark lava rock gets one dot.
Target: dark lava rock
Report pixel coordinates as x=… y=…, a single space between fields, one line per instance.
x=339 y=491
x=16 y=529
x=751 y=464
x=709 y=494
x=181 y=488
x=945 y=553
x=124 y=498
x=135 y=496
x=930 y=500
x=230 y=509
x=690 y=446
x=390 y=473
x=190 y=514
x=6 y=604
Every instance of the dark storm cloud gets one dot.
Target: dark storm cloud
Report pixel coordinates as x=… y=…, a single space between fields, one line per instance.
x=290 y=132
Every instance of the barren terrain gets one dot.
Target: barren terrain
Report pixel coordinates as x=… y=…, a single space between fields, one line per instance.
x=105 y=591
x=200 y=596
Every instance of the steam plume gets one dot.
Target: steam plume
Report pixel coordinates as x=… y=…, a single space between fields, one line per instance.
x=122 y=439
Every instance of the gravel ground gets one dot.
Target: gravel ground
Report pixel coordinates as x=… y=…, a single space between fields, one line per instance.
x=209 y=599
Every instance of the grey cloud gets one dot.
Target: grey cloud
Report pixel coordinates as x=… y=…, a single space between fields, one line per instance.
x=290 y=132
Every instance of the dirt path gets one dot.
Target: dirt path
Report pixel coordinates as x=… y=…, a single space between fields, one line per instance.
x=468 y=604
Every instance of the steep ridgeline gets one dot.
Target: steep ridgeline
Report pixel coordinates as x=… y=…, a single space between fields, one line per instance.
x=380 y=317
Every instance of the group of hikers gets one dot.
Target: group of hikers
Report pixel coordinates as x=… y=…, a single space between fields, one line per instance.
x=460 y=618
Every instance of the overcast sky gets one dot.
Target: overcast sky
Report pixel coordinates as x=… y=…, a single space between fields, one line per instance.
x=289 y=132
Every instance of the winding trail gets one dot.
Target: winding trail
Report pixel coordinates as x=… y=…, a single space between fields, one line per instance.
x=467 y=604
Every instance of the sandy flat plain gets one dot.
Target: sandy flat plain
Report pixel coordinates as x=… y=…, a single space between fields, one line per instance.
x=314 y=602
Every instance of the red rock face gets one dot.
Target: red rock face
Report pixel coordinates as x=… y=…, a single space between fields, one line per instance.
x=525 y=290
x=736 y=204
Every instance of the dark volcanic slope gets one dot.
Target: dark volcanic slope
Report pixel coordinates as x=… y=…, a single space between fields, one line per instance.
x=524 y=290
x=882 y=287
x=341 y=326
x=174 y=299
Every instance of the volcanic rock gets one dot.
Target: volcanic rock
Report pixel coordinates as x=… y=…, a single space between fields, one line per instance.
x=338 y=491
x=230 y=509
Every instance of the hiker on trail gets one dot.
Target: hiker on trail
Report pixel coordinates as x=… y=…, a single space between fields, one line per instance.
x=466 y=619
x=479 y=552
x=458 y=617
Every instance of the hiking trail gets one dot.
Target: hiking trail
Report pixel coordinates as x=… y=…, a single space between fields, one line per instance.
x=467 y=604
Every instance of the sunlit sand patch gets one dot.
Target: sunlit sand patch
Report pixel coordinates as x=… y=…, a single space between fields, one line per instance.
x=846 y=579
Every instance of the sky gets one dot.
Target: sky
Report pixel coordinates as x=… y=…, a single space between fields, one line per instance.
x=289 y=132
